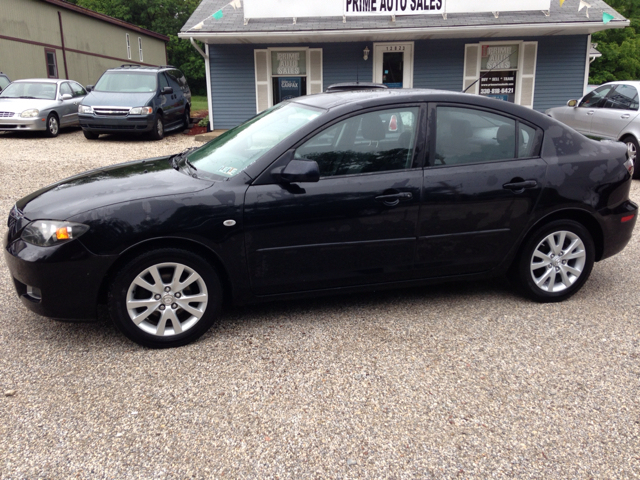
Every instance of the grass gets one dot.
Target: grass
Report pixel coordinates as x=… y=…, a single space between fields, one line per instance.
x=198 y=103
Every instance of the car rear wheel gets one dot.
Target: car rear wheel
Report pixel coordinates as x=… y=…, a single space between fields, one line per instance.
x=555 y=261
x=90 y=135
x=52 y=127
x=157 y=133
x=632 y=148
x=165 y=298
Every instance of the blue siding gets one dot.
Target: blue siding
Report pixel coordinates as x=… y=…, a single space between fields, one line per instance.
x=438 y=64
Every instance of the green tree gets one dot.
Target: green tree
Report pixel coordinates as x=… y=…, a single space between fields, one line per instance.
x=162 y=16
x=620 y=48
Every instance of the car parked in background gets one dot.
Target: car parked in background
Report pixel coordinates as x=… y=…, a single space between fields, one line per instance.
x=4 y=81
x=320 y=195
x=135 y=99
x=40 y=104
x=609 y=111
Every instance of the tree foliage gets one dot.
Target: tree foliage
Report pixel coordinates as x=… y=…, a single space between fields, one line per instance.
x=620 y=48
x=162 y=16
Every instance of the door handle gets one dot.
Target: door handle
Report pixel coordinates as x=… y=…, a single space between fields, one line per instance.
x=626 y=115
x=591 y=112
x=520 y=186
x=393 y=199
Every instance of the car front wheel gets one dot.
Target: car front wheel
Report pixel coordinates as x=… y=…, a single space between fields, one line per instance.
x=165 y=298
x=52 y=127
x=157 y=133
x=555 y=261
x=632 y=148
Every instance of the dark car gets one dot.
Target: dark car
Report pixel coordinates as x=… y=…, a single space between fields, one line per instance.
x=135 y=99
x=4 y=81
x=322 y=195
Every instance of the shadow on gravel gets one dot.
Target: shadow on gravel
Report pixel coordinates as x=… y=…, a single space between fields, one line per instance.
x=38 y=134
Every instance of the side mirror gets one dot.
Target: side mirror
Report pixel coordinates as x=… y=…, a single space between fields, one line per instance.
x=66 y=96
x=167 y=91
x=297 y=171
x=572 y=103
x=89 y=88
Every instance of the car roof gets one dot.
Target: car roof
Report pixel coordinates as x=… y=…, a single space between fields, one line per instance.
x=42 y=80
x=133 y=67
x=347 y=100
x=635 y=83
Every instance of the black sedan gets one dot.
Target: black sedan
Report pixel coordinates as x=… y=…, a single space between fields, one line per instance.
x=322 y=195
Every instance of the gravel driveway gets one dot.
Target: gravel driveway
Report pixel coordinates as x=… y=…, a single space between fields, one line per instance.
x=465 y=380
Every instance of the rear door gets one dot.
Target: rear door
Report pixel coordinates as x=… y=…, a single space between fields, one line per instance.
x=618 y=110
x=357 y=225
x=484 y=178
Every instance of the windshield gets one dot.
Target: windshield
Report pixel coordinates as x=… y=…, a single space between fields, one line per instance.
x=44 y=91
x=127 y=82
x=235 y=150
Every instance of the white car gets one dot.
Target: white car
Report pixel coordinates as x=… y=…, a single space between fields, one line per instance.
x=610 y=111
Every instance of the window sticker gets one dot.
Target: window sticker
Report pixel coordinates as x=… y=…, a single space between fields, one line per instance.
x=228 y=170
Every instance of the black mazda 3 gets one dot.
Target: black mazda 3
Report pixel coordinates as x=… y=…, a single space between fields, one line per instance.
x=322 y=195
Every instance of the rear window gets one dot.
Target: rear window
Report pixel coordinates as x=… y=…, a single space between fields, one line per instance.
x=127 y=82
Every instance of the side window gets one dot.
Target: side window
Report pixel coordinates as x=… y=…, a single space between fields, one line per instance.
x=378 y=141
x=624 y=97
x=527 y=142
x=162 y=80
x=595 y=98
x=464 y=136
x=78 y=90
x=65 y=89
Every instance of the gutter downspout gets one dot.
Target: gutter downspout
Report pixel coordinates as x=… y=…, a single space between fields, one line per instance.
x=64 y=53
x=207 y=72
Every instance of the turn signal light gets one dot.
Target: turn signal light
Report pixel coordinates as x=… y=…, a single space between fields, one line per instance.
x=63 y=233
x=626 y=219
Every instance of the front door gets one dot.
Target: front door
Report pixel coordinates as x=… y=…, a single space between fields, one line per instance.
x=393 y=64
x=357 y=225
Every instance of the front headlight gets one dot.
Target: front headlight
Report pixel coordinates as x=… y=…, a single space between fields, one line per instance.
x=85 y=109
x=46 y=233
x=141 y=111
x=31 y=113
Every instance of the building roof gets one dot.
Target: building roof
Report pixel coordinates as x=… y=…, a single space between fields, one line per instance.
x=560 y=21
x=106 y=18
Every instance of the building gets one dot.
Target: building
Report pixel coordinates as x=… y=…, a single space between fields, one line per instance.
x=56 y=39
x=259 y=52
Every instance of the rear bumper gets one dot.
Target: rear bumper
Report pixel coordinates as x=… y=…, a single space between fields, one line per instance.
x=618 y=228
x=17 y=124
x=133 y=124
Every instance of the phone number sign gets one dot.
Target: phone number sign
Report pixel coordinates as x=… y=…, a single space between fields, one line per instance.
x=498 y=83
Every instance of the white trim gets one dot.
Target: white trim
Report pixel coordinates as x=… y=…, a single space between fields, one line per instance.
x=128 y=46
x=404 y=34
x=587 y=66
x=140 y=49
x=309 y=81
x=522 y=76
x=207 y=71
x=407 y=74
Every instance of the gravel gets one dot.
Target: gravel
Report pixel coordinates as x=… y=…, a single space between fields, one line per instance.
x=462 y=380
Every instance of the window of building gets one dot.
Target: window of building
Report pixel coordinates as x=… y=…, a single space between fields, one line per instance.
x=140 y=48
x=52 y=63
x=372 y=142
x=128 y=47
x=502 y=70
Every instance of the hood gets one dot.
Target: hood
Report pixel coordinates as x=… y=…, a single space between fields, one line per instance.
x=109 y=186
x=19 y=105
x=116 y=99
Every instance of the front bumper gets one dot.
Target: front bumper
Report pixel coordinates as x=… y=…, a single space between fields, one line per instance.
x=127 y=124
x=59 y=282
x=18 y=124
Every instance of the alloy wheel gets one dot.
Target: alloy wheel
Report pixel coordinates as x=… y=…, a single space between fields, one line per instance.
x=53 y=125
x=633 y=151
x=558 y=261
x=167 y=299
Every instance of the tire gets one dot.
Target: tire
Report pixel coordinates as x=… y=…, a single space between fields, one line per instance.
x=90 y=135
x=632 y=146
x=186 y=122
x=159 y=316
x=556 y=279
x=52 y=127
x=157 y=133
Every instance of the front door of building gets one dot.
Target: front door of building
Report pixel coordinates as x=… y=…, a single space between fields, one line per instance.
x=393 y=64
